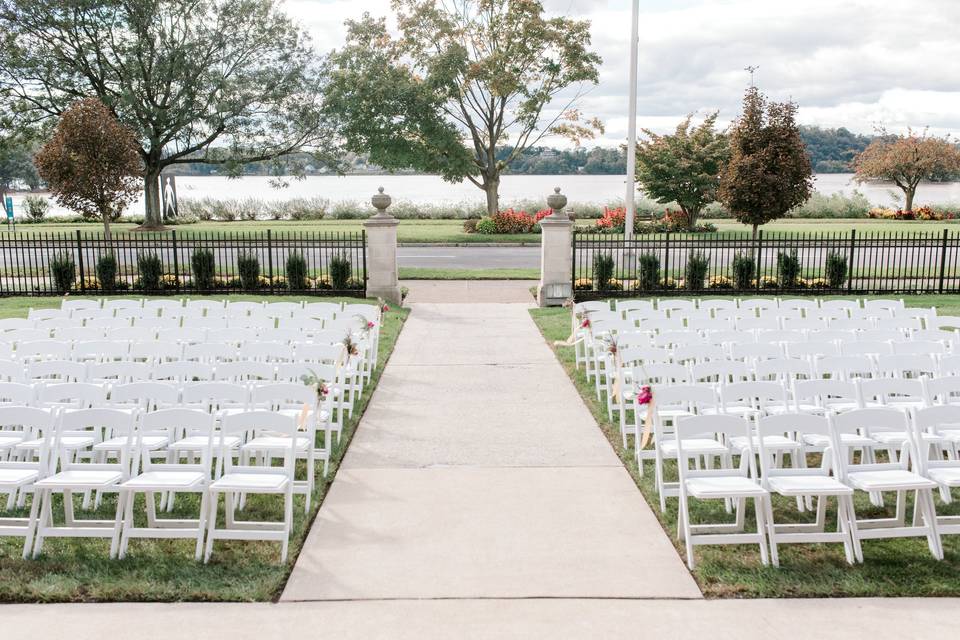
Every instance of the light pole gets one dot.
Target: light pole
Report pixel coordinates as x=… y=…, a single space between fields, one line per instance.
x=632 y=122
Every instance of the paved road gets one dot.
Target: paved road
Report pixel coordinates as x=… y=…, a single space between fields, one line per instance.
x=469 y=257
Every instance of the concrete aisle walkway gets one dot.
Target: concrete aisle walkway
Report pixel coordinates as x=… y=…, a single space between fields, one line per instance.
x=477 y=472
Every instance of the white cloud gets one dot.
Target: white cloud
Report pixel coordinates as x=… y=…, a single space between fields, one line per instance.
x=852 y=63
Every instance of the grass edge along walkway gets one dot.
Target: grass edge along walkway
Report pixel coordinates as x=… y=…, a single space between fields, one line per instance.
x=892 y=568
x=79 y=570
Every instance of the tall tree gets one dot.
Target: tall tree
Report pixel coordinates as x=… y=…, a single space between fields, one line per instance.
x=92 y=162
x=908 y=160
x=16 y=159
x=461 y=78
x=683 y=167
x=224 y=82
x=768 y=173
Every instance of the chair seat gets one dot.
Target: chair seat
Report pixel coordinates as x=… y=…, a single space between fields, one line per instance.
x=724 y=486
x=948 y=476
x=81 y=479
x=17 y=477
x=889 y=480
x=163 y=480
x=771 y=442
x=151 y=443
x=899 y=437
x=804 y=485
x=694 y=445
x=951 y=435
x=275 y=443
x=66 y=442
x=846 y=439
x=779 y=409
x=251 y=482
x=8 y=441
x=195 y=443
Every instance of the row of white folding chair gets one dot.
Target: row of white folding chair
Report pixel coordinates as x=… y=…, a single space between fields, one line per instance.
x=218 y=398
x=51 y=327
x=743 y=303
x=204 y=304
x=837 y=477
x=165 y=350
x=50 y=474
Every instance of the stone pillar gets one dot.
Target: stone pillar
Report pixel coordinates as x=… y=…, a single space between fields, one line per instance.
x=555 y=257
x=382 y=274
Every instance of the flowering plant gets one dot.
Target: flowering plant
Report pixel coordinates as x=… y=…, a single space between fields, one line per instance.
x=645 y=395
x=319 y=384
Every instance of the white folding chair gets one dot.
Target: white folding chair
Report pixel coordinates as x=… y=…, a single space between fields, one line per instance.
x=805 y=483
x=56 y=371
x=78 y=475
x=17 y=476
x=730 y=483
x=182 y=371
x=892 y=476
x=172 y=476
x=243 y=371
x=247 y=479
x=941 y=420
x=16 y=393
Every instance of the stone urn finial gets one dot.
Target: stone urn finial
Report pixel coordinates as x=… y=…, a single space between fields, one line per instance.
x=380 y=202
x=557 y=201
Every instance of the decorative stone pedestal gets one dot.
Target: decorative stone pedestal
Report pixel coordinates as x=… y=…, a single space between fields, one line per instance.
x=382 y=273
x=555 y=268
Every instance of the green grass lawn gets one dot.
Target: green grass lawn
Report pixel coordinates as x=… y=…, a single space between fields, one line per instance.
x=423 y=273
x=901 y=567
x=79 y=570
x=451 y=231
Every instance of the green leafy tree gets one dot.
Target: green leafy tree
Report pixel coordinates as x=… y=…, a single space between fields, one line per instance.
x=16 y=160
x=461 y=78
x=908 y=160
x=768 y=172
x=683 y=167
x=91 y=163
x=222 y=82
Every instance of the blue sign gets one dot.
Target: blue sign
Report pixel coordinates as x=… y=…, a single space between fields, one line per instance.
x=9 y=207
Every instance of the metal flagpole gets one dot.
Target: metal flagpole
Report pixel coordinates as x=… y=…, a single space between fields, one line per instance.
x=632 y=120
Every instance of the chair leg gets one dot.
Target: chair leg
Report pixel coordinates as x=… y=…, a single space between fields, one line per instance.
x=32 y=524
x=127 y=523
x=759 y=508
x=771 y=533
x=211 y=525
x=930 y=515
x=46 y=519
x=202 y=525
x=287 y=523
x=122 y=498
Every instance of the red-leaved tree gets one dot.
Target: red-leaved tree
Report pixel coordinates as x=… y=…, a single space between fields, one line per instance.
x=92 y=163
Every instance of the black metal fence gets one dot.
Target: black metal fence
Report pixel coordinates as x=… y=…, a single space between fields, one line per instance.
x=775 y=262
x=288 y=262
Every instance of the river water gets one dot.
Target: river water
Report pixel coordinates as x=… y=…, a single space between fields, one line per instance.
x=433 y=190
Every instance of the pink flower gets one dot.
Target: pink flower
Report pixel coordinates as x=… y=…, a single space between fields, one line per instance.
x=370 y=325
x=585 y=323
x=645 y=396
x=386 y=308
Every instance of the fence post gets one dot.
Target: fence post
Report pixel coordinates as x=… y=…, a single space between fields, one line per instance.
x=943 y=259
x=556 y=267
x=759 y=247
x=80 y=262
x=853 y=248
x=176 y=260
x=666 y=259
x=381 y=228
x=270 y=259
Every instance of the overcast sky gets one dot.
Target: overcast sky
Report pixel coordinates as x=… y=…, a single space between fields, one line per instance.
x=847 y=63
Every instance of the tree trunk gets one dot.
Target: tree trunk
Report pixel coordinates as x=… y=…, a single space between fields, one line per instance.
x=106 y=230
x=153 y=214
x=755 y=227
x=492 y=188
x=910 y=193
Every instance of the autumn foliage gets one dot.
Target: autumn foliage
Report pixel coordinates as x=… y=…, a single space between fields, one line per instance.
x=908 y=160
x=92 y=162
x=769 y=172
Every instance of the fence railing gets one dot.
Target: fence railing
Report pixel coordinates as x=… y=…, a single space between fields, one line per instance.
x=822 y=263
x=288 y=262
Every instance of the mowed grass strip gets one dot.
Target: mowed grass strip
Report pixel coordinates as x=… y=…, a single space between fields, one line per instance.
x=898 y=568
x=79 y=570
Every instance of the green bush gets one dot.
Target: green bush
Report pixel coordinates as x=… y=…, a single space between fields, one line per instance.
x=603 y=266
x=248 y=267
x=836 y=268
x=744 y=268
x=151 y=269
x=296 y=271
x=37 y=208
x=107 y=272
x=486 y=225
x=63 y=272
x=203 y=264
x=340 y=272
x=696 y=271
x=649 y=277
x=788 y=269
